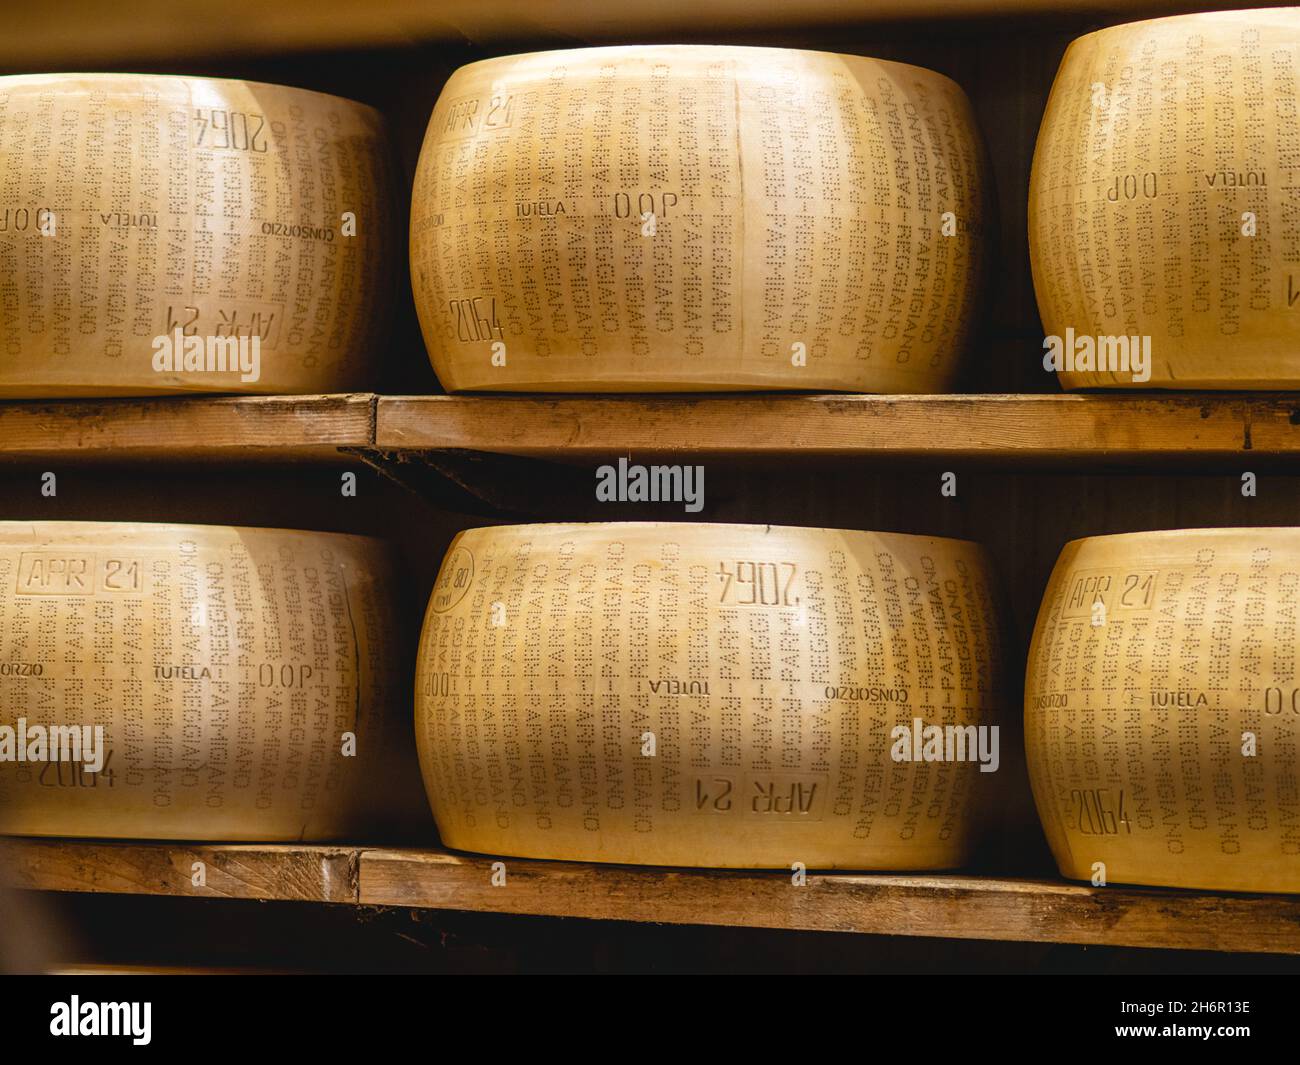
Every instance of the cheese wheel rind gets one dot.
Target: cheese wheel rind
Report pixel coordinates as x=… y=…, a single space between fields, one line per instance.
x=1160 y=202
x=706 y=695
x=134 y=206
x=225 y=666
x=691 y=217
x=1162 y=709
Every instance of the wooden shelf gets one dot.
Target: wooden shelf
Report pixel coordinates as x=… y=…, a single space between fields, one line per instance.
x=1055 y=428
x=286 y=872
x=950 y=906
x=1073 y=430
x=187 y=429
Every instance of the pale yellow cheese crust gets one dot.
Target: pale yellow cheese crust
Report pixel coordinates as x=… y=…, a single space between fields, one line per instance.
x=1162 y=709
x=681 y=218
x=1162 y=199
x=706 y=695
x=224 y=665
x=133 y=206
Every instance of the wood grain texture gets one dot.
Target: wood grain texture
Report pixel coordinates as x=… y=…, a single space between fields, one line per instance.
x=1076 y=429
x=959 y=907
x=237 y=871
x=1086 y=429
x=242 y=428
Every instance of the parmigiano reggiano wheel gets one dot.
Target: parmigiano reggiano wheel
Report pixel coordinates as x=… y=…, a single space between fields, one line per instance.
x=1161 y=201
x=706 y=695
x=224 y=665
x=682 y=218
x=1162 y=709
x=134 y=206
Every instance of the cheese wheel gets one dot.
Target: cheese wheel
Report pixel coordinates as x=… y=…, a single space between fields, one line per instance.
x=224 y=666
x=1162 y=709
x=133 y=207
x=1160 y=204
x=707 y=695
x=683 y=218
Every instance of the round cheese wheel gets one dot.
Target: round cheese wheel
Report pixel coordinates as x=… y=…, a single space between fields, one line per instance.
x=679 y=218
x=224 y=666
x=1162 y=709
x=208 y=213
x=1161 y=215
x=709 y=695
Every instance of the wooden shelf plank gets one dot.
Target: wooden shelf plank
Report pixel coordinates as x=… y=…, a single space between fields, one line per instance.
x=1074 y=429
x=187 y=428
x=959 y=907
x=944 y=906
x=292 y=872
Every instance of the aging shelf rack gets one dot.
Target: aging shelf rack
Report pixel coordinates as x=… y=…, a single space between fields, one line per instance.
x=1034 y=467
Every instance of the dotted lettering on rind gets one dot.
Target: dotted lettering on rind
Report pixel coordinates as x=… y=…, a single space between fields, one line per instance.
x=1169 y=211
x=769 y=669
x=219 y=219
x=1134 y=729
x=223 y=666
x=794 y=200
